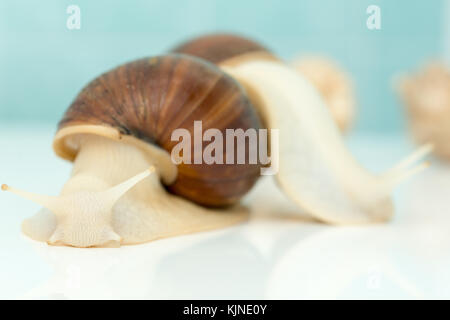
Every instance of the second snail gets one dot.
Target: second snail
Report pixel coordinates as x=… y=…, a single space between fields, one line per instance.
x=125 y=188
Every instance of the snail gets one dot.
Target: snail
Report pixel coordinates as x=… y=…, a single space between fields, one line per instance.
x=426 y=97
x=334 y=85
x=316 y=170
x=118 y=132
x=126 y=188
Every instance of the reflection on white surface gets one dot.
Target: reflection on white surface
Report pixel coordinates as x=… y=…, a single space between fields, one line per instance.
x=277 y=254
x=186 y=267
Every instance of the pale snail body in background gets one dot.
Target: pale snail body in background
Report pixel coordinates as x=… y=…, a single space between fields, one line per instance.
x=426 y=97
x=120 y=125
x=334 y=85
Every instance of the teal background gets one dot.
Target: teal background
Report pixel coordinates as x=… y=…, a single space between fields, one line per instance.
x=43 y=64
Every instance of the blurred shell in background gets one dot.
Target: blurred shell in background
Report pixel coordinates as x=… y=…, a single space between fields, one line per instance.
x=334 y=84
x=426 y=96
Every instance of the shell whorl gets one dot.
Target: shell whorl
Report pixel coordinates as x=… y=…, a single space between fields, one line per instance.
x=150 y=98
x=221 y=48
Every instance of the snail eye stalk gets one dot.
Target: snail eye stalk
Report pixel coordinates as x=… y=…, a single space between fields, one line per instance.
x=99 y=200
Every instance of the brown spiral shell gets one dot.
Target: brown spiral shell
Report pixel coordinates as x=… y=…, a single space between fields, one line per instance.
x=220 y=48
x=150 y=98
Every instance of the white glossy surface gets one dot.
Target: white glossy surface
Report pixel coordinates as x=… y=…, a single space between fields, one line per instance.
x=277 y=254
